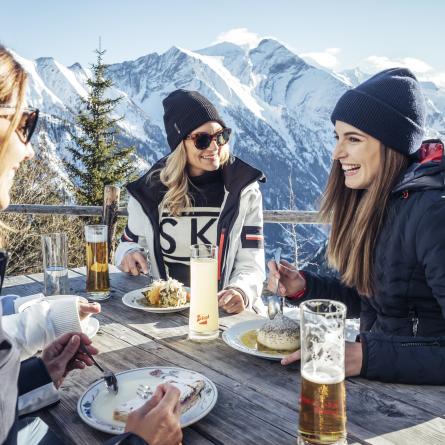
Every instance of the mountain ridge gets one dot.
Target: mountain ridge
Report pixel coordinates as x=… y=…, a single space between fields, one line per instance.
x=277 y=103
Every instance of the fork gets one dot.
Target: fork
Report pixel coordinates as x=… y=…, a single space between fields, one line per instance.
x=109 y=376
x=143 y=391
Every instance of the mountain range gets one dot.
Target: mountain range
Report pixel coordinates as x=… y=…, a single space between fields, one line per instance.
x=277 y=104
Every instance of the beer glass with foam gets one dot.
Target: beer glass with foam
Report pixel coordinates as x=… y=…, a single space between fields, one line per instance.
x=322 y=398
x=98 y=281
x=204 y=317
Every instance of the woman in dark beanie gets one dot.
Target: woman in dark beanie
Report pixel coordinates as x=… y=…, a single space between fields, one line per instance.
x=385 y=200
x=198 y=194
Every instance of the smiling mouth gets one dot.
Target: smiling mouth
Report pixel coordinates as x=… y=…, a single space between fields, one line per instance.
x=350 y=169
x=209 y=157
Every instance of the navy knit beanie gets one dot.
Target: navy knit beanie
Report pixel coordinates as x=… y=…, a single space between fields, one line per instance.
x=389 y=106
x=184 y=111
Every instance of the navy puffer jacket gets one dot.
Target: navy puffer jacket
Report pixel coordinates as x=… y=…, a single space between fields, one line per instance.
x=403 y=325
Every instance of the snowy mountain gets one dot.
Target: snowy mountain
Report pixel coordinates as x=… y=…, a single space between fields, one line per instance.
x=277 y=104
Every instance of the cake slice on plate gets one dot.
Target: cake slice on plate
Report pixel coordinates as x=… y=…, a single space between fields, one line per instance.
x=190 y=393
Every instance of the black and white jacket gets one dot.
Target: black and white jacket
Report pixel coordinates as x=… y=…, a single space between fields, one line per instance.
x=239 y=228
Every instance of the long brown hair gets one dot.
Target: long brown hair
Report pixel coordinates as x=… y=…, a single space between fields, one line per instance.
x=356 y=217
x=12 y=85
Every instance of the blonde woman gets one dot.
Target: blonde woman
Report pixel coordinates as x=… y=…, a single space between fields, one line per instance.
x=385 y=202
x=198 y=194
x=45 y=319
x=36 y=380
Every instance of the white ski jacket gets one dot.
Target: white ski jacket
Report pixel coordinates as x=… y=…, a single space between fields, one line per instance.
x=239 y=233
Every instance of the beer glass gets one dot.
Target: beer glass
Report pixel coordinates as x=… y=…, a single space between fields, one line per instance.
x=204 y=317
x=322 y=398
x=98 y=281
x=55 y=269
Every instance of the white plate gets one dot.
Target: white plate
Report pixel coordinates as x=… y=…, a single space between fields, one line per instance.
x=232 y=337
x=130 y=299
x=92 y=327
x=96 y=404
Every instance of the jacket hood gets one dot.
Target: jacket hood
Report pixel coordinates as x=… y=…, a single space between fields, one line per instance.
x=236 y=173
x=427 y=171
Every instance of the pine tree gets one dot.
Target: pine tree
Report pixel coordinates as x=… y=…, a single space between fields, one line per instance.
x=97 y=160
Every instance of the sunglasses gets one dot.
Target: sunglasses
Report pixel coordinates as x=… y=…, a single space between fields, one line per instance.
x=27 y=124
x=203 y=140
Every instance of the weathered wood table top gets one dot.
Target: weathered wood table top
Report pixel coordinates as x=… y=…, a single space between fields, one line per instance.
x=257 y=399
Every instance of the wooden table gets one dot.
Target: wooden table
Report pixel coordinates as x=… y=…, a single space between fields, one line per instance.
x=258 y=399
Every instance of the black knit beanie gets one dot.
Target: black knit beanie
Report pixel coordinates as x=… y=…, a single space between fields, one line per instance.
x=184 y=111
x=389 y=106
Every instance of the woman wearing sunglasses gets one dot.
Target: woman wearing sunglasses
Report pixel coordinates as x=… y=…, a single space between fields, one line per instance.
x=35 y=381
x=49 y=318
x=198 y=194
x=385 y=200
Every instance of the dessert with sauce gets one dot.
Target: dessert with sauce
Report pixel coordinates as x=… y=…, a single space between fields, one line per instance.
x=280 y=334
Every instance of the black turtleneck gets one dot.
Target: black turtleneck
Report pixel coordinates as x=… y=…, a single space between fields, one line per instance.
x=195 y=225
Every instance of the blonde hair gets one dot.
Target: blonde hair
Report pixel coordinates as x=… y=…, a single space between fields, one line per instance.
x=13 y=80
x=174 y=176
x=356 y=217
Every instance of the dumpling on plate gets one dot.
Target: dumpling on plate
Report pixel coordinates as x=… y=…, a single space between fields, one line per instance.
x=280 y=334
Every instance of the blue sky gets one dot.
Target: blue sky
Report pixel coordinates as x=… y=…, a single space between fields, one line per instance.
x=337 y=34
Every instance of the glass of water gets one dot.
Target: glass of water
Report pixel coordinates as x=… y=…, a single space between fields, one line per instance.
x=55 y=267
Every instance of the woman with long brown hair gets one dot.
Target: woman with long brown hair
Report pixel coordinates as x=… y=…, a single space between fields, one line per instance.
x=37 y=379
x=385 y=202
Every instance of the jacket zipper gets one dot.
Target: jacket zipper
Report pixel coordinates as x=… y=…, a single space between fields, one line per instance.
x=220 y=251
x=424 y=343
x=228 y=230
x=414 y=320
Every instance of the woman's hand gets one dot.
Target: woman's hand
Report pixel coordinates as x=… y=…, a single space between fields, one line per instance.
x=231 y=301
x=86 y=309
x=157 y=422
x=353 y=358
x=134 y=262
x=290 y=279
x=63 y=355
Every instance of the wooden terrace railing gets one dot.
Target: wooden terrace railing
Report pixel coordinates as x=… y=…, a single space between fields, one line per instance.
x=110 y=211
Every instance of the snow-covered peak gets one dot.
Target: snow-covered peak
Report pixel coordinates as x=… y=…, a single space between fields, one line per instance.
x=60 y=78
x=223 y=49
x=354 y=76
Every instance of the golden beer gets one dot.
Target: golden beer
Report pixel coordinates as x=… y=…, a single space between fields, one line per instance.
x=322 y=397
x=322 y=412
x=98 y=281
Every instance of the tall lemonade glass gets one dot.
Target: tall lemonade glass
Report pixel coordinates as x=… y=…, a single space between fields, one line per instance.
x=204 y=318
x=98 y=280
x=322 y=398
